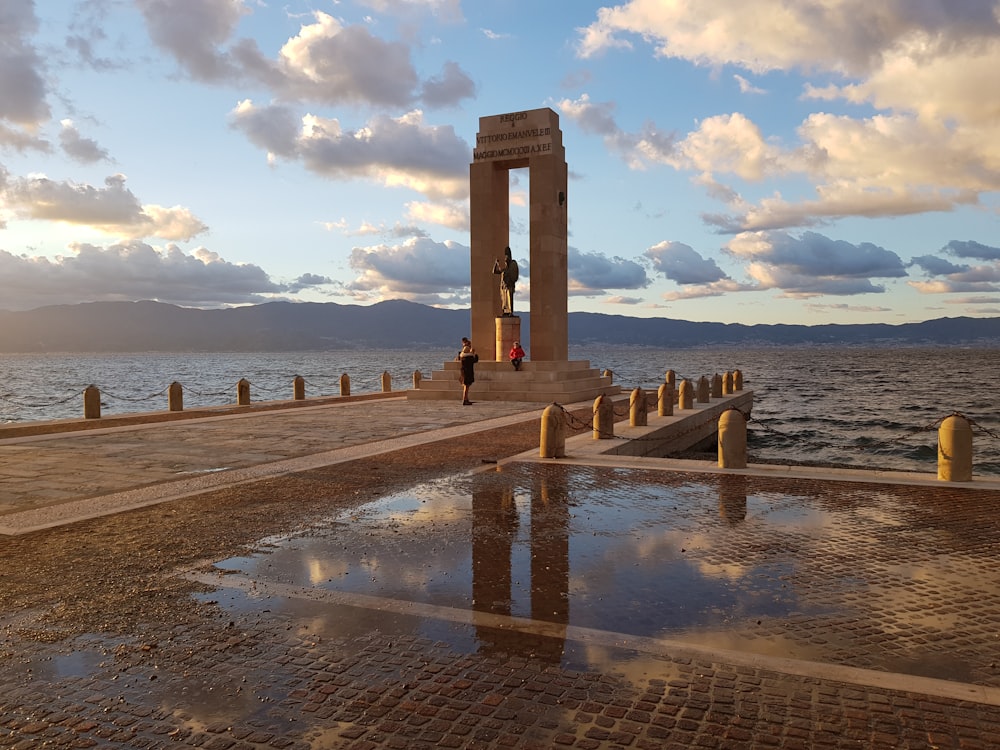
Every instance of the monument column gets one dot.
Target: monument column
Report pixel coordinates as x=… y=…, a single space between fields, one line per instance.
x=490 y=228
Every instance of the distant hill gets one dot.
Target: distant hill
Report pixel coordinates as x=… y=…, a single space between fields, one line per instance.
x=396 y=324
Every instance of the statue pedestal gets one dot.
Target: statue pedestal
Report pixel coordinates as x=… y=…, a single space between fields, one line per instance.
x=508 y=331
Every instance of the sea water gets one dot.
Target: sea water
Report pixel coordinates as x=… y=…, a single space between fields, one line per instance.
x=851 y=406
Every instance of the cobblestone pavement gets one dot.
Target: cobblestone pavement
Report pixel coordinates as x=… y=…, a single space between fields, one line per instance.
x=888 y=577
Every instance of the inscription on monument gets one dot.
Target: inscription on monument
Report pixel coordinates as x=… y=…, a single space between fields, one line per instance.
x=510 y=136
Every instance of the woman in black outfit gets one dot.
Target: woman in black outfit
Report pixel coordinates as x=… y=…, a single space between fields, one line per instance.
x=467 y=357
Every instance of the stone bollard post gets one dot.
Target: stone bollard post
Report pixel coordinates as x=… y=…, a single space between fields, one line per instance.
x=665 y=400
x=732 y=440
x=671 y=379
x=417 y=377
x=637 y=408
x=737 y=380
x=175 y=397
x=553 y=439
x=727 y=384
x=91 y=402
x=299 y=388
x=703 y=390
x=955 y=449
x=243 y=392
x=685 y=396
x=609 y=375
x=386 y=382
x=717 y=386
x=604 y=418
x=345 y=385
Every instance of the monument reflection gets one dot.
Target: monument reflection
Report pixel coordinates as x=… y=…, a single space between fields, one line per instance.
x=495 y=526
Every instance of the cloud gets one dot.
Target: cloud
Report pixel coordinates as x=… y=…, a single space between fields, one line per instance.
x=394 y=152
x=960 y=277
x=746 y=87
x=78 y=148
x=592 y=273
x=192 y=30
x=448 y=215
x=23 y=89
x=849 y=36
x=813 y=264
x=714 y=289
x=682 y=264
x=327 y=62
x=113 y=209
x=135 y=270
x=419 y=270
x=931 y=146
x=649 y=144
x=972 y=249
x=620 y=300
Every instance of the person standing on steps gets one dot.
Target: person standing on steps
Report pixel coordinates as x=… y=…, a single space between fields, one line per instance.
x=508 y=279
x=467 y=358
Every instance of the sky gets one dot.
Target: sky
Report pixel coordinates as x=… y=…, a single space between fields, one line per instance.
x=755 y=161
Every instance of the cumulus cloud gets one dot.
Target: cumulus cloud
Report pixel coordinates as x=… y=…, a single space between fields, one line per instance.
x=932 y=146
x=394 y=152
x=447 y=214
x=113 y=209
x=813 y=264
x=592 y=273
x=682 y=264
x=960 y=277
x=23 y=89
x=136 y=270
x=597 y=118
x=419 y=269
x=848 y=36
x=326 y=62
x=78 y=148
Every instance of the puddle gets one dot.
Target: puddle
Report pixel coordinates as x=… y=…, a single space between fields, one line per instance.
x=509 y=560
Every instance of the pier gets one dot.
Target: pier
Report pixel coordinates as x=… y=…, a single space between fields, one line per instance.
x=132 y=611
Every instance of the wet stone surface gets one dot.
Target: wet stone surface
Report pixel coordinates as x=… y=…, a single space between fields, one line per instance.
x=390 y=625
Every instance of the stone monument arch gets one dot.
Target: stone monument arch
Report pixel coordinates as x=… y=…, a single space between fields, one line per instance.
x=516 y=140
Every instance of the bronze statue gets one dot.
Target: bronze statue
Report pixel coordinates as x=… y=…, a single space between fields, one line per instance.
x=508 y=279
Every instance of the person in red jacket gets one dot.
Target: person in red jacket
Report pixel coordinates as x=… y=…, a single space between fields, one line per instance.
x=516 y=355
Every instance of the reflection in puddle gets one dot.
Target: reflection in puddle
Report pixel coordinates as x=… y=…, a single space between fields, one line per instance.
x=551 y=546
x=509 y=561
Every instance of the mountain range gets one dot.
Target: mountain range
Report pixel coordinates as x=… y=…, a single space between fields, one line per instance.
x=395 y=324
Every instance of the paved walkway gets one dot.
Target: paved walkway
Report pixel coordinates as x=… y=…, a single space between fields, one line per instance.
x=272 y=664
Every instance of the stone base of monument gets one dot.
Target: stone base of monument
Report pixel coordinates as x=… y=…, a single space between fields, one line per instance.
x=542 y=382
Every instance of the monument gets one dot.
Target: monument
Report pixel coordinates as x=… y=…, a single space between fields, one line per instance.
x=516 y=140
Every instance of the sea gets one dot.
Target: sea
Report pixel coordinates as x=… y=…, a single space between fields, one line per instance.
x=864 y=407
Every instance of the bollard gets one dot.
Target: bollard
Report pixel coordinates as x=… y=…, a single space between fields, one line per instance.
x=727 y=384
x=553 y=439
x=732 y=440
x=665 y=400
x=703 y=390
x=243 y=392
x=955 y=449
x=609 y=375
x=637 y=408
x=299 y=388
x=737 y=380
x=345 y=385
x=685 y=396
x=717 y=386
x=91 y=402
x=417 y=377
x=604 y=418
x=386 y=382
x=671 y=379
x=175 y=397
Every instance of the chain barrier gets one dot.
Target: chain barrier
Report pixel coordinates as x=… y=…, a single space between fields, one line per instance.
x=24 y=405
x=136 y=399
